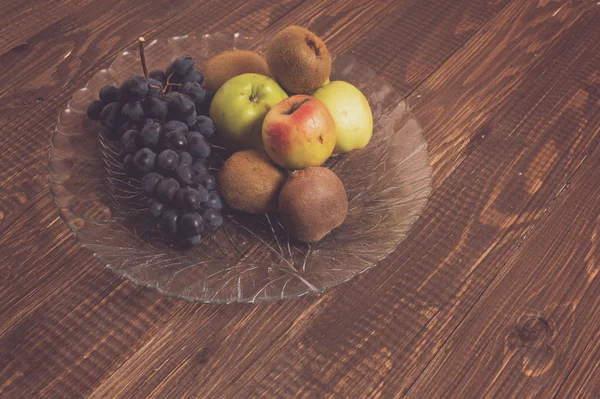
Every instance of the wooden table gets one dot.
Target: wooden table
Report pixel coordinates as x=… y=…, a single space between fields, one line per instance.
x=494 y=294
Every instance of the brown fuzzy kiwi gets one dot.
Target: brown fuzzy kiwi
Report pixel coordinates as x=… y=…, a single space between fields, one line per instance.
x=298 y=60
x=312 y=202
x=250 y=182
x=224 y=66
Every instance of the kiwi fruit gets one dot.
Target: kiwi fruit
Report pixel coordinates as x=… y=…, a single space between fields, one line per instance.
x=298 y=60
x=224 y=66
x=312 y=202
x=250 y=182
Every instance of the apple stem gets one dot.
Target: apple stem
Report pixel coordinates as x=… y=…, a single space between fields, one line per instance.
x=298 y=105
x=141 y=40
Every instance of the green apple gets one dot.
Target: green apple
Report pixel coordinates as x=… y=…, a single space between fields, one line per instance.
x=351 y=113
x=239 y=108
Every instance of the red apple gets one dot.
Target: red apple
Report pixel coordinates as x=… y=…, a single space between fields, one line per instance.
x=299 y=132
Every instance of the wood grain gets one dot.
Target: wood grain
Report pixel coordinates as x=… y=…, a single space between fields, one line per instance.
x=31 y=177
x=508 y=96
x=523 y=339
x=485 y=212
x=68 y=279
x=584 y=380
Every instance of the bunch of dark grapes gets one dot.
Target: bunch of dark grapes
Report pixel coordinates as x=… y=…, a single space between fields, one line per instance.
x=161 y=125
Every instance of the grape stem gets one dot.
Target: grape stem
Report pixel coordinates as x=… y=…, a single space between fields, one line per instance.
x=168 y=83
x=143 y=56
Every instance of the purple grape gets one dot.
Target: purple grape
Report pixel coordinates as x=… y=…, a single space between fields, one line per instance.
x=187 y=199
x=191 y=120
x=144 y=159
x=95 y=109
x=154 y=88
x=200 y=166
x=210 y=183
x=169 y=72
x=175 y=126
x=168 y=221
x=175 y=141
x=205 y=126
x=194 y=76
x=109 y=93
x=159 y=76
x=133 y=89
x=155 y=207
x=192 y=240
x=214 y=201
x=111 y=115
x=129 y=141
x=185 y=158
x=197 y=145
x=212 y=219
x=203 y=192
x=128 y=160
x=200 y=173
x=150 y=181
x=167 y=160
x=183 y=174
x=150 y=134
x=196 y=92
x=182 y=66
x=129 y=166
x=190 y=224
x=133 y=111
x=127 y=125
x=180 y=106
x=166 y=189
x=155 y=107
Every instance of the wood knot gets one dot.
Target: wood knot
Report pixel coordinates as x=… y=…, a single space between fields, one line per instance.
x=202 y=356
x=535 y=330
x=531 y=344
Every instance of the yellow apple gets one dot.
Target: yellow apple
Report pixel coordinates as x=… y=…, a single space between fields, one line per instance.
x=351 y=113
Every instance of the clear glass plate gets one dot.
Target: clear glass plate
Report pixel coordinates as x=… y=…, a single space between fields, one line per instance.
x=249 y=259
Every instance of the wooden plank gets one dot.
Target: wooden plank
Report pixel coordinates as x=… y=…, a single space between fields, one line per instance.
x=584 y=380
x=387 y=325
x=542 y=311
x=208 y=332
x=21 y=17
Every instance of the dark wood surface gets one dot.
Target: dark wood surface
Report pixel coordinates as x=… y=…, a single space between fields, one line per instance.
x=495 y=293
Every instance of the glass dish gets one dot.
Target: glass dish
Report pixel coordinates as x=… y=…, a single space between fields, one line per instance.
x=249 y=259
